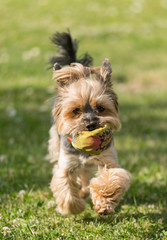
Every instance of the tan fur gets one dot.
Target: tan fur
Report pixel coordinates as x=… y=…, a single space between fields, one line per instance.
x=77 y=86
x=76 y=95
x=53 y=144
x=66 y=191
x=69 y=74
x=108 y=188
x=85 y=176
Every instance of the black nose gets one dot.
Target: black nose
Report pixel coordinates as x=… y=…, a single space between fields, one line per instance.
x=91 y=126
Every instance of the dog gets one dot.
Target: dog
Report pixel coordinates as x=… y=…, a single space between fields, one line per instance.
x=85 y=101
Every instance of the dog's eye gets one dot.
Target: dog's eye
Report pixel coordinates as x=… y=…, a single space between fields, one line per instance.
x=100 y=109
x=76 y=111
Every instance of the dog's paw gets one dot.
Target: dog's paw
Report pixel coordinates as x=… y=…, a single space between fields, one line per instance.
x=73 y=206
x=104 y=207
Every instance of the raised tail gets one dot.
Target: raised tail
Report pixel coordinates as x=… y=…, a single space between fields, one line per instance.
x=67 y=51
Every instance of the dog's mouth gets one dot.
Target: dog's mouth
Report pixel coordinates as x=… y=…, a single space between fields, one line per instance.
x=88 y=127
x=92 y=126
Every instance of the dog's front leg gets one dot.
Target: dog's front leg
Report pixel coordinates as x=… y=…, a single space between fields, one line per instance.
x=66 y=190
x=108 y=188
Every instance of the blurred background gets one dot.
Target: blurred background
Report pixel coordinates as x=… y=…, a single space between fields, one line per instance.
x=133 y=35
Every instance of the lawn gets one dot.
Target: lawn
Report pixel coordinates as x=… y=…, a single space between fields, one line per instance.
x=133 y=35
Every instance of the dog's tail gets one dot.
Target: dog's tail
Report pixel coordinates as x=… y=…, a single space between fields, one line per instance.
x=67 y=51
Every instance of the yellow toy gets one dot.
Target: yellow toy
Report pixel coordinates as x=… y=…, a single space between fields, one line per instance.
x=92 y=142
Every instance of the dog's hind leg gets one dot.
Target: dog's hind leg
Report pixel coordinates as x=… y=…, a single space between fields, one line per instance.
x=66 y=190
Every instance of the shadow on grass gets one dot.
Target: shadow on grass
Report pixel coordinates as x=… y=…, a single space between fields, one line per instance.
x=147 y=223
x=150 y=224
x=25 y=121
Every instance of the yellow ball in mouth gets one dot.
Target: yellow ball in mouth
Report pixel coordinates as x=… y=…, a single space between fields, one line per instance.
x=93 y=142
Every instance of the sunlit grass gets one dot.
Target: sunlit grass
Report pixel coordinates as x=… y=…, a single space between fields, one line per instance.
x=133 y=35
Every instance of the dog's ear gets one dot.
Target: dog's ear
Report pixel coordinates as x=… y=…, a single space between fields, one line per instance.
x=107 y=70
x=67 y=75
x=106 y=75
x=103 y=73
x=56 y=67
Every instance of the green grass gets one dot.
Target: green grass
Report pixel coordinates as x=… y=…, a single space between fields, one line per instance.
x=133 y=35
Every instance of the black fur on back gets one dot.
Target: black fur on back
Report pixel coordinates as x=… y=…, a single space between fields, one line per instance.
x=67 y=50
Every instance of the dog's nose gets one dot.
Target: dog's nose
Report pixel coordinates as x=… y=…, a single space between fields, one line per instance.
x=91 y=126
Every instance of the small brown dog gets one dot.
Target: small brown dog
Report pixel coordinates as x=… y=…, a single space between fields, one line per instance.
x=85 y=101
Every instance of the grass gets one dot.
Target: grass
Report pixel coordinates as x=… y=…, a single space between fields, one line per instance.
x=132 y=34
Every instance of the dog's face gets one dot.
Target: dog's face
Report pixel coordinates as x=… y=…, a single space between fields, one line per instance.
x=84 y=102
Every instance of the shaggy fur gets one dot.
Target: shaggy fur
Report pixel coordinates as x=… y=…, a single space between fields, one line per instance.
x=85 y=101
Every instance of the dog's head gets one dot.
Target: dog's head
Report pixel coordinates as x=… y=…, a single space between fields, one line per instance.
x=85 y=99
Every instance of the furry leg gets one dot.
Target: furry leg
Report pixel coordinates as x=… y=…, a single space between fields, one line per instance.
x=66 y=191
x=85 y=176
x=108 y=188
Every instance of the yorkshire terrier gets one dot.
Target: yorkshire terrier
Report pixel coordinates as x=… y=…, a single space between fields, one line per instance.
x=85 y=101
